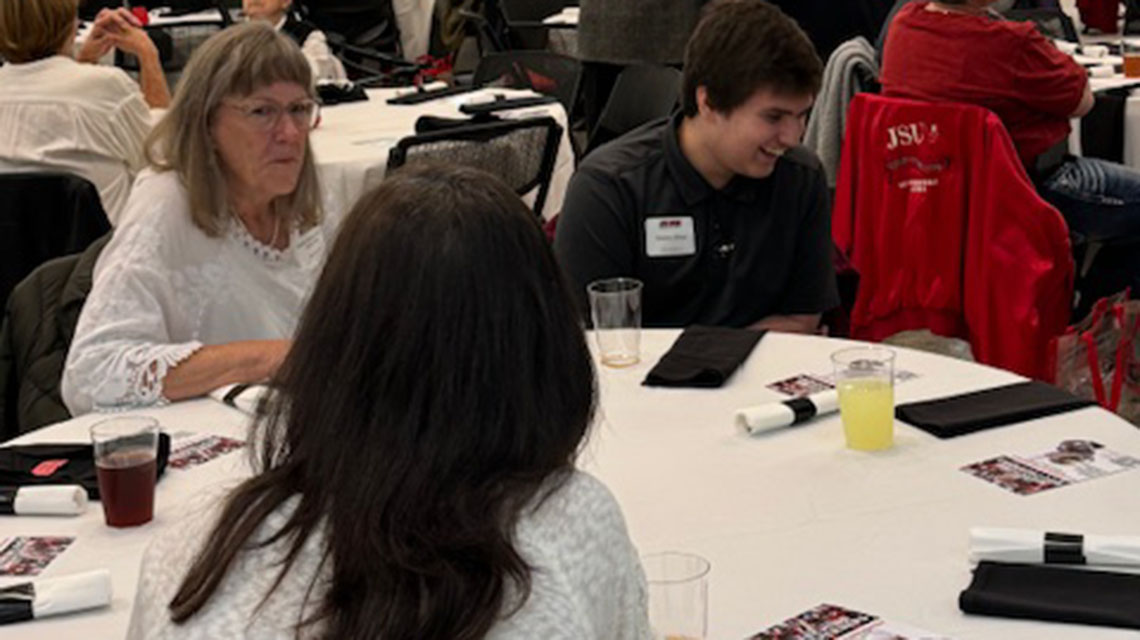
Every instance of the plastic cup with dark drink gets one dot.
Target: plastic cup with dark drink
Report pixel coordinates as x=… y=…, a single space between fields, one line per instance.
x=126 y=457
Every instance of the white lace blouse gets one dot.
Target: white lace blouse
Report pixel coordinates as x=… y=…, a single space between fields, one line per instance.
x=57 y=114
x=587 y=579
x=162 y=289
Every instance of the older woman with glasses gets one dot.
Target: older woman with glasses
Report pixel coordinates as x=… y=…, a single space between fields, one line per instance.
x=222 y=237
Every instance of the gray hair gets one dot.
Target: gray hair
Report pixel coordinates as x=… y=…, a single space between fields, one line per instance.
x=235 y=62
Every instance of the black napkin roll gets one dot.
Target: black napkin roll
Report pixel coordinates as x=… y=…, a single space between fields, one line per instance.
x=703 y=357
x=969 y=412
x=39 y=464
x=1040 y=592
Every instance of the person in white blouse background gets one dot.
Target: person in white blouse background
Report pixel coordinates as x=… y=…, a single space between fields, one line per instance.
x=414 y=473
x=58 y=113
x=326 y=67
x=221 y=240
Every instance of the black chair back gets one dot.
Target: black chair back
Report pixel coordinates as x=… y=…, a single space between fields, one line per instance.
x=368 y=24
x=1053 y=23
x=550 y=74
x=521 y=153
x=176 y=42
x=523 y=22
x=642 y=93
x=44 y=216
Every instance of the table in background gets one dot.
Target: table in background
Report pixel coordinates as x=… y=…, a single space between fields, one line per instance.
x=351 y=143
x=789 y=520
x=413 y=19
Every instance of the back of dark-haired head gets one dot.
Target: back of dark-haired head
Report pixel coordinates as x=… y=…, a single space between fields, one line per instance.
x=742 y=46
x=438 y=384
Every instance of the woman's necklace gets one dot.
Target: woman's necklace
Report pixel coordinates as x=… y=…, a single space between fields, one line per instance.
x=272 y=243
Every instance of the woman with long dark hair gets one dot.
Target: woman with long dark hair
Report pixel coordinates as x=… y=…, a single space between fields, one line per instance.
x=415 y=470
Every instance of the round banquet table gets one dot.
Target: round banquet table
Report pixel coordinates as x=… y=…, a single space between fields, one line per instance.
x=788 y=520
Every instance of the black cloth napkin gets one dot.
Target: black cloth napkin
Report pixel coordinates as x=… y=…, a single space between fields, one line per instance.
x=331 y=93
x=39 y=464
x=1039 y=592
x=703 y=357
x=958 y=415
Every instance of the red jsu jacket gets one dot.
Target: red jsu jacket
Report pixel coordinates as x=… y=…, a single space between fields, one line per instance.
x=937 y=215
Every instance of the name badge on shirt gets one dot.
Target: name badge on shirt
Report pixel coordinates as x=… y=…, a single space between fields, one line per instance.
x=310 y=248
x=670 y=236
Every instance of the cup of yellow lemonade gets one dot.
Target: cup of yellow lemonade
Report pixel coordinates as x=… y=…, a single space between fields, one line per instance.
x=864 y=378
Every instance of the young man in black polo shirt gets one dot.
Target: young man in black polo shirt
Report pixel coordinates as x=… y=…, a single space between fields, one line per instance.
x=717 y=210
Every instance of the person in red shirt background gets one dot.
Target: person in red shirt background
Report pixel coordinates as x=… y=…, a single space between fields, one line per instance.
x=957 y=51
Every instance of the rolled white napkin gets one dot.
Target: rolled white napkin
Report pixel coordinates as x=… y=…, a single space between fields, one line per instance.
x=43 y=500
x=1102 y=71
x=1095 y=50
x=431 y=86
x=1036 y=546
x=54 y=596
x=1065 y=46
x=774 y=415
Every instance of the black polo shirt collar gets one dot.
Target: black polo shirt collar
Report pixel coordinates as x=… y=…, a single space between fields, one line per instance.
x=690 y=183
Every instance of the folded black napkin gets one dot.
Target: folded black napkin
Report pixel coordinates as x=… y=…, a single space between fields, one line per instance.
x=430 y=124
x=40 y=464
x=332 y=93
x=1041 y=592
x=703 y=357
x=502 y=104
x=969 y=412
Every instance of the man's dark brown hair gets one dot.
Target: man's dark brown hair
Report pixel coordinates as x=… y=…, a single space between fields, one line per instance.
x=741 y=46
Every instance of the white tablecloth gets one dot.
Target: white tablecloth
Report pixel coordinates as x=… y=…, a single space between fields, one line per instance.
x=788 y=520
x=352 y=142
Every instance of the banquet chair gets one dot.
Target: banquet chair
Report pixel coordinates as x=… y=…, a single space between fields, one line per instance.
x=523 y=21
x=1053 y=23
x=35 y=333
x=550 y=74
x=937 y=216
x=362 y=24
x=642 y=93
x=521 y=153
x=176 y=42
x=44 y=216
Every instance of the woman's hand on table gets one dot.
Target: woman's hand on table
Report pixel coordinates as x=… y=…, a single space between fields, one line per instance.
x=214 y=366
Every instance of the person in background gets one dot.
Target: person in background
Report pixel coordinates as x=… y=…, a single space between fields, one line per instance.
x=279 y=13
x=718 y=209
x=58 y=113
x=415 y=469
x=955 y=51
x=221 y=241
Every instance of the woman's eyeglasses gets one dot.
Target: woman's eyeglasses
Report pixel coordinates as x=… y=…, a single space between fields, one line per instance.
x=266 y=115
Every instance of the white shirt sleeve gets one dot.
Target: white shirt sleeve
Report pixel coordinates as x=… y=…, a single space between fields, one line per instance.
x=325 y=66
x=125 y=342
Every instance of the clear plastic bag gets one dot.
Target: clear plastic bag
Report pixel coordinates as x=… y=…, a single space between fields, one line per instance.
x=1099 y=358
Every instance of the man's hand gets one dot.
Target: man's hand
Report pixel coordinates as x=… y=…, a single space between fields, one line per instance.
x=799 y=323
